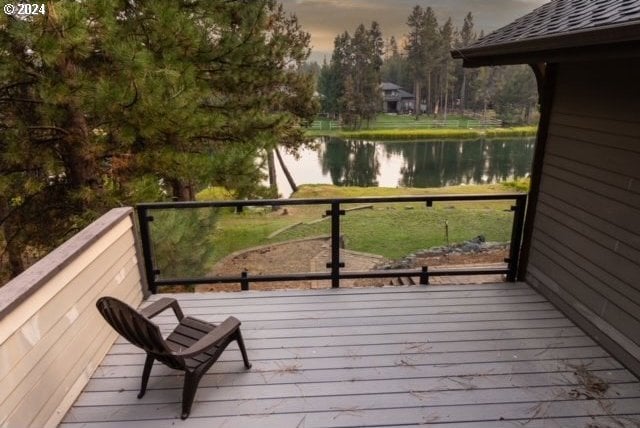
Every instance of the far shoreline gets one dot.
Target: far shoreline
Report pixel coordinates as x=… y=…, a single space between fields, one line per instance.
x=427 y=134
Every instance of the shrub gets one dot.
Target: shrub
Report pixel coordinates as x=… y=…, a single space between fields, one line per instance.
x=182 y=241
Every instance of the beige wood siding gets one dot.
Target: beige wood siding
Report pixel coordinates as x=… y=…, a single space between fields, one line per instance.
x=53 y=340
x=585 y=252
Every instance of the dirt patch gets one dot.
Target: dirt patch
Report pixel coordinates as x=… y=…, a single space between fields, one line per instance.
x=483 y=258
x=490 y=258
x=312 y=254
x=299 y=256
x=286 y=257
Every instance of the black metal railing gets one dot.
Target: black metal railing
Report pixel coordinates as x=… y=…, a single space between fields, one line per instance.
x=335 y=264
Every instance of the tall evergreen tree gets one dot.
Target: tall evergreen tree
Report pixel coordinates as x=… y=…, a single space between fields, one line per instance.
x=465 y=76
x=416 y=53
x=432 y=45
x=394 y=67
x=351 y=83
x=332 y=83
x=98 y=97
x=516 y=94
x=423 y=48
x=447 y=67
x=369 y=48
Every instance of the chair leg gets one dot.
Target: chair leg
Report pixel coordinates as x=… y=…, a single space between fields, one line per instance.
x=191 y=381
x=243 y=350
x=148 y=364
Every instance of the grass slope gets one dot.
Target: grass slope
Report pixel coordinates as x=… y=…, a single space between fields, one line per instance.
x=392 y=230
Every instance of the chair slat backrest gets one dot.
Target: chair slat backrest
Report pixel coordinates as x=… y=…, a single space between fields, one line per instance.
x=132 y=325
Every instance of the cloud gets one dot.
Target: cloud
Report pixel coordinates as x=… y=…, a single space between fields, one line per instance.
x=325 y=19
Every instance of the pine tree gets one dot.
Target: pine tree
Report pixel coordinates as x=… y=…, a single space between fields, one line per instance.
x=335 y=74
x=465 y=76
x=432 y=45
x=516 y=94
x=394 y=67
x=352 y=81
x=101 y=100
x=416 y=53
x=447 y=71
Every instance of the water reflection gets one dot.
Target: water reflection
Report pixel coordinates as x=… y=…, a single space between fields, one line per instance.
x=411 y=164
x=350 y=163
x=450 y=163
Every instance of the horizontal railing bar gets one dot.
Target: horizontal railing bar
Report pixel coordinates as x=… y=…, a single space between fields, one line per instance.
x=354 y=200
x=417 y=272
x=257 y=278
x=391 y=273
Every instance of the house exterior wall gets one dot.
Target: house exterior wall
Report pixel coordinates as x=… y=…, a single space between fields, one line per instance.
x=585 y=247
x=52 y=337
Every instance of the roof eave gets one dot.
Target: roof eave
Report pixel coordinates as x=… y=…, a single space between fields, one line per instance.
x=592 y=43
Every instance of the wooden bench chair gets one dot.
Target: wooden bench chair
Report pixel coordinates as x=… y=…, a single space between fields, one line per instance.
x=193 y=346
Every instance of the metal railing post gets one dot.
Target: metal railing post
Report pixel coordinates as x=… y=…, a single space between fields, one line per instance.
x=516 y=237
x=145 y=238
x=244 y=282
x=424 y=275
x=335 y=263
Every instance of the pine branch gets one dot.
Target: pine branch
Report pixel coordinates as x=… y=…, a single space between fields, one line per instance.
x=16 y=84
x=49 y=128
x=20 y=100
x=135 y=97
x=246 y=38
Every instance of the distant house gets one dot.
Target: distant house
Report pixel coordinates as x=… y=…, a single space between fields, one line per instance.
x=395 y=99
x=582 y=233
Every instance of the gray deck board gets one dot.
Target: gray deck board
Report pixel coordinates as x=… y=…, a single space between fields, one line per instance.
x=456 y=356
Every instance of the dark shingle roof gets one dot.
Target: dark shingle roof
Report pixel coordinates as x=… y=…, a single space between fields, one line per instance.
x=388 y=86
x=404 y=94
x=564 y=16
x=562 y=24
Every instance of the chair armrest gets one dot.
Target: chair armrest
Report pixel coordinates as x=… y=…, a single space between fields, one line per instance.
x=156 y=307
x=213 y=338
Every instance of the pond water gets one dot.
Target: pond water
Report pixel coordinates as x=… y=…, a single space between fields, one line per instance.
x=408 y=164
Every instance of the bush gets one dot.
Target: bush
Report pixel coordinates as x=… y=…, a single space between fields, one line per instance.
x=521 y=185
x=182 y=241
x=215 y=194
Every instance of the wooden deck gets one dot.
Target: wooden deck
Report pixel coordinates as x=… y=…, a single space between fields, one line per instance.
x=466 y=356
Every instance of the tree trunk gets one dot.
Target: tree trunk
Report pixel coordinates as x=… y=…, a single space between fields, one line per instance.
x=484 y=108
x=16 y=263
x=271 y=165
x=80 y=160
x=417 y=94
x=287 y=174
x=180 y=190
x=429 y=107
x=13 y=248
x=446 y=98
x=463 y=92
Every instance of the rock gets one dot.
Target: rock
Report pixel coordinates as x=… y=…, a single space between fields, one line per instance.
x=470 y=247
x=478 y=239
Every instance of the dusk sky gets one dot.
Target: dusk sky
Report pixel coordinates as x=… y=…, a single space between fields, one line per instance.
x=325 y=19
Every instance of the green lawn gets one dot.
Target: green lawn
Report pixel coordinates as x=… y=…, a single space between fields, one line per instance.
x=394 y=230
x=391 y=230
x=403 y=127
x=426 y=134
